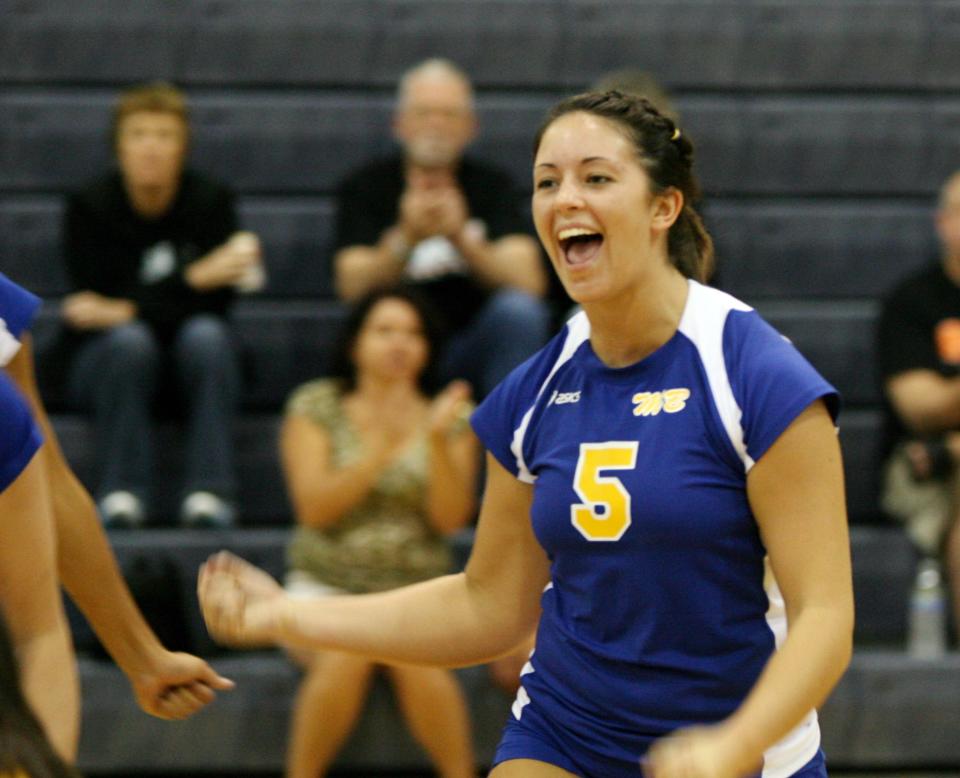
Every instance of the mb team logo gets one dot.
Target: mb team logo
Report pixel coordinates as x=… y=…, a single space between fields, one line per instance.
x=668 y=401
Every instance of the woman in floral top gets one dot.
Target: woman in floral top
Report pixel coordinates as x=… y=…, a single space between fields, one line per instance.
x=379 y=473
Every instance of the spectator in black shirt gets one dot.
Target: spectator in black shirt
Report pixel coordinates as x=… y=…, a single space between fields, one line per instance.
x=449 y=224
x=919 y=356
x=155 y=259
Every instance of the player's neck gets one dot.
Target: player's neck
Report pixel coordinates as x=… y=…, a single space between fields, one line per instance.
x=624 y=331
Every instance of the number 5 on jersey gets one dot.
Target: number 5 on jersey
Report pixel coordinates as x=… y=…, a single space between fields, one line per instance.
x=604 y=513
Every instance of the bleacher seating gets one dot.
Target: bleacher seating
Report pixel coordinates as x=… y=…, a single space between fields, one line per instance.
x=823 y=130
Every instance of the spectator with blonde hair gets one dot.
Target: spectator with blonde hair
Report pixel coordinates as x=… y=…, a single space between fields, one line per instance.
x=154 y=259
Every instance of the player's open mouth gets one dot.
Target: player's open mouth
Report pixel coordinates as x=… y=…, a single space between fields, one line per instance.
x=579 y=245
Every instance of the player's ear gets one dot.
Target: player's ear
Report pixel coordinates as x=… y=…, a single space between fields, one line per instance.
x=667 y=207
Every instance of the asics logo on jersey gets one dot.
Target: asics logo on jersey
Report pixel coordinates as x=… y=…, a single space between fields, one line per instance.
x=563 y=398
x=668 y=401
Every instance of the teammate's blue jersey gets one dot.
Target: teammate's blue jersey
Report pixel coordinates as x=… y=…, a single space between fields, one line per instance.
x=20 y=438
x=662 y=610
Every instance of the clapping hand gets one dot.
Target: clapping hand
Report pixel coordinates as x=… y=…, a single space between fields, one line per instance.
x=448 y=408
x=432 y=204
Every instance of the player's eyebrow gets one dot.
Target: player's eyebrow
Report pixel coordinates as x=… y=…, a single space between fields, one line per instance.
x=583 y=161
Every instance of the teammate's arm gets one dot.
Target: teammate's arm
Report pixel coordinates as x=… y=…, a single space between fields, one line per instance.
x=31 y=602
x=454 y=620
x=796 y=493
x=166 y=684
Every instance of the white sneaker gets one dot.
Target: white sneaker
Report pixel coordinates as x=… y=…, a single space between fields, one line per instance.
x=205 y=509
x=121 y=510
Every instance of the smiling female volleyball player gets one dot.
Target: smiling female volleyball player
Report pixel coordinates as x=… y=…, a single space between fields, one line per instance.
x=664 y=478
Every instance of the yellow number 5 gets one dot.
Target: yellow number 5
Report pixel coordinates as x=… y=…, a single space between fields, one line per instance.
x=605 y=511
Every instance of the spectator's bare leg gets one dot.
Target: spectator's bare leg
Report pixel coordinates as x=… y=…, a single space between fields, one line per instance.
x=434 y=708
x=325 y=711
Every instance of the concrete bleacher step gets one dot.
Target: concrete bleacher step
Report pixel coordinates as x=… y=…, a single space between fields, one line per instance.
x=295 y=143
x=750 y=44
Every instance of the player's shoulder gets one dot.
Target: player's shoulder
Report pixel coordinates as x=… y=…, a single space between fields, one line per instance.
x=712 y=317
x=708 y=307
x=17 y=309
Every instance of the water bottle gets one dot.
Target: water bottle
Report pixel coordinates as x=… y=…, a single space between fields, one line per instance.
x=928 y=605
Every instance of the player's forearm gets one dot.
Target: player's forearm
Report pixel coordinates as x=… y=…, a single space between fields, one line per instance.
x=446 y=622
x=85 y=563
x=50 y=684
x=90 y=574
x=797 y=679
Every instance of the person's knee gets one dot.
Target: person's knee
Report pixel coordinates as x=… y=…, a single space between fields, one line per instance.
x=132 y=346
x=205 y=336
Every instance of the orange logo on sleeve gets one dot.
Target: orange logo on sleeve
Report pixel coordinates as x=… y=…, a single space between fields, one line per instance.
x=947 y=337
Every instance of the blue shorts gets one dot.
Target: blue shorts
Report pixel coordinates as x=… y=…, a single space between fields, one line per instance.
x=19 y=436
x=520 y=742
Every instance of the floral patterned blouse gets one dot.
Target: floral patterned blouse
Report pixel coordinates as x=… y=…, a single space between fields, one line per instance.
x=385 y=541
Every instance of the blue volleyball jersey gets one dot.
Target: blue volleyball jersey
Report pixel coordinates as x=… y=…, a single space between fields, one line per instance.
x=662 y=610
x=20 y=437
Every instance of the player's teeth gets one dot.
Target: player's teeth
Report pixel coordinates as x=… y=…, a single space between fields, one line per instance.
x=574 y=232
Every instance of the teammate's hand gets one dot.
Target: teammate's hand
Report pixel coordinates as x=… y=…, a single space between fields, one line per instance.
x=241 y=604
x=176 y=685
x=699 y=752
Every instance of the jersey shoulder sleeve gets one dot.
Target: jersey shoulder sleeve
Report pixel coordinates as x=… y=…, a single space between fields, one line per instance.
x=502 y=419
x=17 y=309
x=771 y=380
x=758 y=380
x=21 y=437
